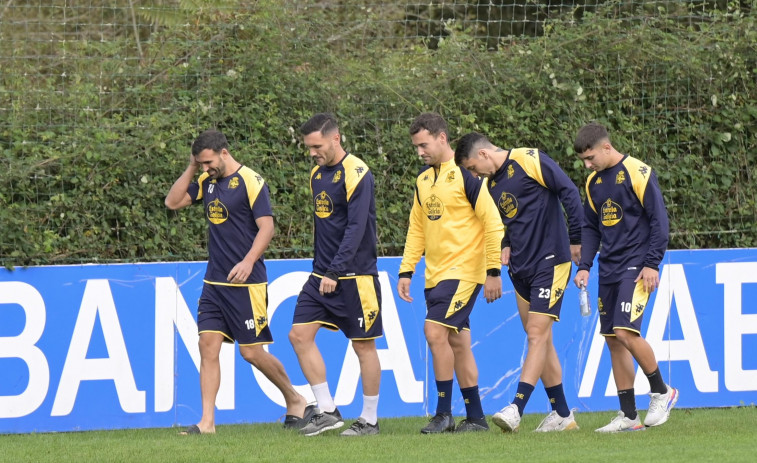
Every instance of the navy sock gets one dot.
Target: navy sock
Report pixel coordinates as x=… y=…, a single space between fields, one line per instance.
x=656 y=384
x=444 y=396
x=522 y=395
x=557 y=400
x=628 y=403
x=472 y=400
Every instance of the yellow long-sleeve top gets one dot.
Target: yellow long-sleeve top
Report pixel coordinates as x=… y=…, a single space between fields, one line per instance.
x=455 y=221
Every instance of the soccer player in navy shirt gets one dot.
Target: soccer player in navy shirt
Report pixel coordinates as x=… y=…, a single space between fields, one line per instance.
x=234 y=301
x=625 y=212
x=531 y=191
x=454 y=222
x=343 y=291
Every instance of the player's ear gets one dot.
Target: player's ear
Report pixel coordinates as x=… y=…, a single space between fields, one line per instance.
x=483 y=154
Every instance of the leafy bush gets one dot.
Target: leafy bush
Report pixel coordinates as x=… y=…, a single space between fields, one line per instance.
x=91 y=145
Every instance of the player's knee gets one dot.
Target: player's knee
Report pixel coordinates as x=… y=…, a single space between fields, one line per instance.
x=294 y=337
x=298 y=337
x=536 y=335
x=435 y=336
x=365 y=347
x=250 y=357
x=209 y=348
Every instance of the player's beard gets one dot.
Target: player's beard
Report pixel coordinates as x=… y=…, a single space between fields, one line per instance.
x=218 y=173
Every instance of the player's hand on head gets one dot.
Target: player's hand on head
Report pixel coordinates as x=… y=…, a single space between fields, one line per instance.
x=193 y=161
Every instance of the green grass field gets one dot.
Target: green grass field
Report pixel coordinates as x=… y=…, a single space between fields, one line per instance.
x=722 y=435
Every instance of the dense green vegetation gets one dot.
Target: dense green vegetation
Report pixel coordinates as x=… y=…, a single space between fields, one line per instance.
x=95 y=131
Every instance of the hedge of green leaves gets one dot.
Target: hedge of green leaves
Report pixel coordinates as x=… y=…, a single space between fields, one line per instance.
x=85 y=182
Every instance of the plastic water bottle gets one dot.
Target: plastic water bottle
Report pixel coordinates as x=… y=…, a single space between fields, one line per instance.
x=583 y=301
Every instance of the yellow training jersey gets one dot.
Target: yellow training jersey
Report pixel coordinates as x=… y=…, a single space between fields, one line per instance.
x=455 y=221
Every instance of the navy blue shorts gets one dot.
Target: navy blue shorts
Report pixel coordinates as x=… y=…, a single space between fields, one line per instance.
x=238 y=312
x=621 y=306
x=450 y=303
x=545 y=289
x=354 y=307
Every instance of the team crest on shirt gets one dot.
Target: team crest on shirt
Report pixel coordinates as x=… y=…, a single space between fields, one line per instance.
x=637 y=311
x=611 y=213
x=451 y=176
x=217 y=212
x=508 y=204
x=510 y=171
x=599 y=181
x=324 y=206
x=318 y=177
x=433 y=207
x=337 y=176
x=233 y=183
x=620 y=178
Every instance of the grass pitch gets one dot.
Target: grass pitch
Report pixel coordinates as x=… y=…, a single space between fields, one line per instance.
x=691 y=435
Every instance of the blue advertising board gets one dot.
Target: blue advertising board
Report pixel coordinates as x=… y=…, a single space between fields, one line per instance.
x=115 y=346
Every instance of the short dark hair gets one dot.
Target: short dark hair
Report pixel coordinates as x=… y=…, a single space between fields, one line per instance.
x=432 y=122
x=321 y=122
x=468 y=144
x=588 y=136
x=209 y=139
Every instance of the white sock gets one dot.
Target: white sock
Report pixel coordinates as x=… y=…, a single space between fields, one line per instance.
x=370 y=409
x=323 y=397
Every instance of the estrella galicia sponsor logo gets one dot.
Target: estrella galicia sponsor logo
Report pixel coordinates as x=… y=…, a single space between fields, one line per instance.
x=217 y=212
x=611 y=213
x=323 y=205
x=508 y=204
x=433 y=207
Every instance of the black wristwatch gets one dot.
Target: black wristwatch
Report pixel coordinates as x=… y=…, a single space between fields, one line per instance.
x=493 y=272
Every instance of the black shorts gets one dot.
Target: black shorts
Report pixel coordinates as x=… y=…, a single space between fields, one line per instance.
x=545 y=289
x=354 y=307
x=450 y=303
x=238 y=312
x=621 y=306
